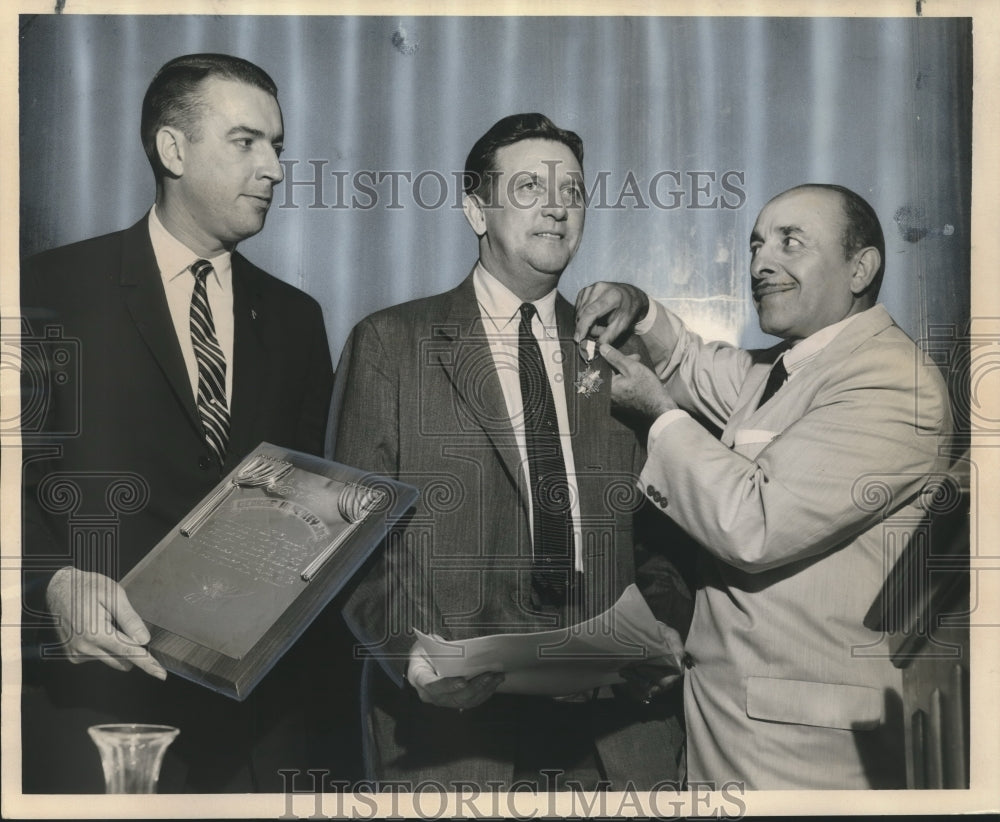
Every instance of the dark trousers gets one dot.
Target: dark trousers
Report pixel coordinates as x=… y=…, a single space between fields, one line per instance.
x=548 y=744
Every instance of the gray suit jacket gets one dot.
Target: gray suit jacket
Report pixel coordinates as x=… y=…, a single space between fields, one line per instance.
x=799 y=509
x=418 y=398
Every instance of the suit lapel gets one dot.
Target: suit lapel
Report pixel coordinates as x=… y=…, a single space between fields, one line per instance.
x=750 y=393
x=142 y=291
x=589 y=413
x=252 y=323
x=590 y=424
x=466 y=359
x=872 y=322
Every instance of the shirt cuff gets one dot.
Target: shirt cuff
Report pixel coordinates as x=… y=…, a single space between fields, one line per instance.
x=645 y=325
x=662 y=421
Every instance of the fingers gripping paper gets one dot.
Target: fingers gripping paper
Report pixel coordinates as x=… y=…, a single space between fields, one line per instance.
x=565 y=661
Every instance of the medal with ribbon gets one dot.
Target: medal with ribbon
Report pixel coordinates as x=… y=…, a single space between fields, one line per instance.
x=589 y=380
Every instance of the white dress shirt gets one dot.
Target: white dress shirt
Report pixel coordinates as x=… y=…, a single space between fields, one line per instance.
x=174 y=260
x=500 y=309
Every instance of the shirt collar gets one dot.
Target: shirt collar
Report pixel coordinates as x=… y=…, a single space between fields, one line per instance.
x=803 y=351
x=501 y=306
x=174 y=258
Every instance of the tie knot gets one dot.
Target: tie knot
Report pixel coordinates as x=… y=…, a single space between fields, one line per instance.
x=528 y=311
x=200 y=269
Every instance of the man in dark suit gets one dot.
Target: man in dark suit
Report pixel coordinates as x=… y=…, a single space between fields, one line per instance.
x=527 y=512
x=189 y=356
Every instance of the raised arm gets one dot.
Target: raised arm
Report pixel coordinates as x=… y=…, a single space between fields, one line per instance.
x=606 y=311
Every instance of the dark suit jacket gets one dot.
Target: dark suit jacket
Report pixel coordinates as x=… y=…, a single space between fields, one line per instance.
x=417 y=398
x=113 y=437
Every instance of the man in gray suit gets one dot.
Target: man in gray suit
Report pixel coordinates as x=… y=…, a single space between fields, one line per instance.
x=827 y=442
x=526 y=520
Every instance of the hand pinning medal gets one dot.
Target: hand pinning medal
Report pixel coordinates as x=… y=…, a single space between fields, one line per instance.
x=589 y=380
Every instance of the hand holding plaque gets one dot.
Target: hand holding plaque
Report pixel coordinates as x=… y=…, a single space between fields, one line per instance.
x=228 y=590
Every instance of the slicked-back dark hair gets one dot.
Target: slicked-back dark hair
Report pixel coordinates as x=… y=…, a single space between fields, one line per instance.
x=482 y=159
x=174 y=96
x=861 y=227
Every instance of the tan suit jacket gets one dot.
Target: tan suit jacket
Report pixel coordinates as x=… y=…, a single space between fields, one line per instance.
x=802 y=508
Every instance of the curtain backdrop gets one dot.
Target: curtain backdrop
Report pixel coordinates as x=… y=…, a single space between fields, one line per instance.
x=689 y=126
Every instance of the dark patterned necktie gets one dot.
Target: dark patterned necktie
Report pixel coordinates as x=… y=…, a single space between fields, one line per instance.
x=775 y=380
x=212 y=406
x=550 y=501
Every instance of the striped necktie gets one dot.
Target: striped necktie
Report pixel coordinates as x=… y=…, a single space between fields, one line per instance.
x=212 y=406
x=550 y=502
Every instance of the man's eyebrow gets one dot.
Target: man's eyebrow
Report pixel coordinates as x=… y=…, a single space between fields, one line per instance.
x=252 y=132
x=787 y=230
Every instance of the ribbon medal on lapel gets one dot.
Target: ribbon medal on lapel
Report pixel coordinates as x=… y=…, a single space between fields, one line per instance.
x=589 y=380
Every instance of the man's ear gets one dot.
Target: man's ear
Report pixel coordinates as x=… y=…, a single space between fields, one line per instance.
x=170 y=145
x=474 y=213
x=868 y=262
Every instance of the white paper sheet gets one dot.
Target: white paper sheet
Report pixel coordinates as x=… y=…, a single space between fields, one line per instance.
x=565 y=661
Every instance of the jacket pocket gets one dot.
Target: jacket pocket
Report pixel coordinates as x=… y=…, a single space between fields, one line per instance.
x=753 y=436
x=822 y=704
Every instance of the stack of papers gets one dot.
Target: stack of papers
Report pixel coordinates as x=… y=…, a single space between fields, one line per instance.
x=566 y=661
